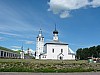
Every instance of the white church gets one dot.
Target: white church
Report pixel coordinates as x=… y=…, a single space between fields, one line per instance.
x=54 y=50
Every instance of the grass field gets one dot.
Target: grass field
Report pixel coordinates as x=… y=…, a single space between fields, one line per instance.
x=44 y=61
x=32 y=65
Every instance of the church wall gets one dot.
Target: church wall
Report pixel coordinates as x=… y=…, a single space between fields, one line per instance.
x=71 y=57
x=40 y=46
x=45 y=49
x=57 y=51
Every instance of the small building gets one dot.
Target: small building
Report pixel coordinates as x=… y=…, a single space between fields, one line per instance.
x=22 y=55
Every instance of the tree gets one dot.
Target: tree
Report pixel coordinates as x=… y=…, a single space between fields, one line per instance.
x=85 y=53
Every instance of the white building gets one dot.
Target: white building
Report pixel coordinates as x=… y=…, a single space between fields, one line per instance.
x=22 y=53
x=39 y=44
x=30 y=52
x=55 y=49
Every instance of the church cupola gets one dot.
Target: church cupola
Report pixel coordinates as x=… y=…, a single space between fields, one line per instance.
x=40 y=33
x=55 y=34
x=40 y=36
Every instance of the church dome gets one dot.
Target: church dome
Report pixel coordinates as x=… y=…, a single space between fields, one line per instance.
x=55 y=32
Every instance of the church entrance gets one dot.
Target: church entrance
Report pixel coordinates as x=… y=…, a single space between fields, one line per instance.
x=61 y=58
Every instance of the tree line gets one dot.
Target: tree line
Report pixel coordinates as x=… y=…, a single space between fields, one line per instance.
x=3 y=48
x=6 y=49
x=85 y=53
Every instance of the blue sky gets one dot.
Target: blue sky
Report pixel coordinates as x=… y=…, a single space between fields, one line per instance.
x=78 y=25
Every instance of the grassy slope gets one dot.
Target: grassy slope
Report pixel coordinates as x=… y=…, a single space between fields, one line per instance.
x=43 y=61
x=32 y=65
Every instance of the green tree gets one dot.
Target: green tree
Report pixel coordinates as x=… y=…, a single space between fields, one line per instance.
x=85 y=53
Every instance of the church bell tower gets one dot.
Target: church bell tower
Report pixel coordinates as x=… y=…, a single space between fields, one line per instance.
x=55 y=34
x=39 y=44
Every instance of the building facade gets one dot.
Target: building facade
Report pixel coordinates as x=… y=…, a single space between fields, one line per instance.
x=8 y=54
x=55 y=49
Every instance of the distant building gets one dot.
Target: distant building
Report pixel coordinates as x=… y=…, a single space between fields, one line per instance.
x=29 y=52
x=7 y=53
x=55 y=49
x=22 y=53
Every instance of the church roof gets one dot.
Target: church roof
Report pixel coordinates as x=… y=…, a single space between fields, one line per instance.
x=56 y=43
x=70 y=51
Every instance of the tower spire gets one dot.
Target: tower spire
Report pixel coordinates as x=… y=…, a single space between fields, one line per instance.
x=22 y=48
x=22 y=53
x=40 y=32
x=55 y=26
x=55 y=31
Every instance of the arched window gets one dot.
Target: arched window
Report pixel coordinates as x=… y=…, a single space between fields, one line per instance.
x=61 y=50
x=39 y=39
x=52 y=50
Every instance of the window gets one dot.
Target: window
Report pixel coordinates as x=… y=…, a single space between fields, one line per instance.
x=52 y=50
x=45 y=56
x=13 y=55
x=2 y=53
x=39 y=39
x=61 y=50
x=42 y=38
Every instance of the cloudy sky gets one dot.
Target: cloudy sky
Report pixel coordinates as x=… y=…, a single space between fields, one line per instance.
x=78 y=22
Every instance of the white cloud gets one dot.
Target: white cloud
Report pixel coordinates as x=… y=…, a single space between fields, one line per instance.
x=64 y=7
x=95 y=3
x=29 y=42
x=11 y=34
x=16 y=47
x=64 y=14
